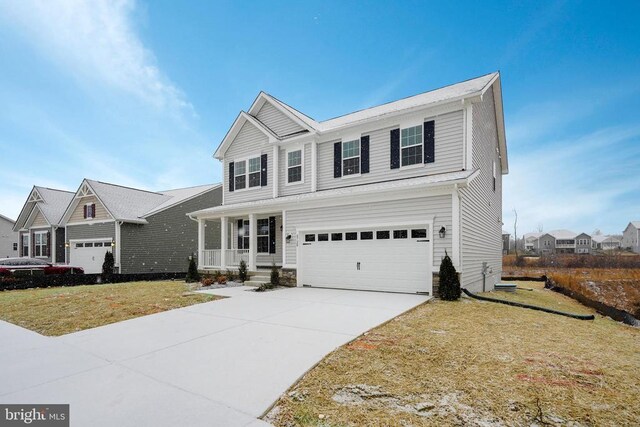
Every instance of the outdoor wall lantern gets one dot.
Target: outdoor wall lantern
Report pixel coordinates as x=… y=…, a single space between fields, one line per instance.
x=66 y=244
x=442 y=232
x=288 y=238
x=113 y=244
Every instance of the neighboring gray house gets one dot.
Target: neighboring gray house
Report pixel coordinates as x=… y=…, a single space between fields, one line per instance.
x=506 y=242
x=606 y=242
x=558 y=241
x=146 y=231
x=39 y=224
x=369 y=200
x=631 y=237
x=8 y=238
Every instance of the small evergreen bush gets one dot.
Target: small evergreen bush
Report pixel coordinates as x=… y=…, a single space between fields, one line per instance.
x=242 y=271
x=107 y=266
x=230 y=275
x=192 y=273
x=449 y=287
x=275 y=275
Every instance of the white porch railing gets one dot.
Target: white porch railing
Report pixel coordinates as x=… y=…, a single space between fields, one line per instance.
x=213 y=257
x=234 y=256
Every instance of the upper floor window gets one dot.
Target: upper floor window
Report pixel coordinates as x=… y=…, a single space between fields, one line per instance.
x=243 y=173
x=351 y=158
x=294 y=166
x=25 y=245
x=411 y=145
x=15 y=246
x=89 y=211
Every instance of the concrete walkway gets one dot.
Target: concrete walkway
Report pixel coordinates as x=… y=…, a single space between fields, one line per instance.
x=221 y=363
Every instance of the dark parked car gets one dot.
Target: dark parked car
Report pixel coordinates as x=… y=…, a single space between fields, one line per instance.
x=33 y=266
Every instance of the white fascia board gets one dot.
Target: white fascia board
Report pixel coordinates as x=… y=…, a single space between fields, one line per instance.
x=499 y=111
x=33 y=211
x=265 y=97
x=240 y=120
x=349 y=195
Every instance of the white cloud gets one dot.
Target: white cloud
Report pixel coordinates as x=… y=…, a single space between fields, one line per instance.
x=575 y=182
x=96 y=42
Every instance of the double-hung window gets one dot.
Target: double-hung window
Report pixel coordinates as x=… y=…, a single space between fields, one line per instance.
x=351 y=158
x=263 y=236
x=40 y=248
x=254 y=172
x=25 y=245
x=241 y=175
x=411 y=145
x=294 y=166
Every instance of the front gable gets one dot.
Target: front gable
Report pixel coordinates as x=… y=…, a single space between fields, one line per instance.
x=84 y=199
x=27 y=209
x=281 y=124
x=36 y=219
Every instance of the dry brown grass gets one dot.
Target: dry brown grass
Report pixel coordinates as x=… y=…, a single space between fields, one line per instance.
x=471 y=362
x=61 y=310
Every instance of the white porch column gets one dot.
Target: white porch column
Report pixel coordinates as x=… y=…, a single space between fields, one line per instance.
x=253 y=241
x=224 y=221
x=200 y=243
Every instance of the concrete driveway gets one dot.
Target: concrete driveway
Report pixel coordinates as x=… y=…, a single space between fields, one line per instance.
x=218 y=363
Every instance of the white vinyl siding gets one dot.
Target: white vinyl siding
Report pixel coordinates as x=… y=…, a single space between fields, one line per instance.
x=448 y=155
x=298 y=188
x=250 y=142
x=481 y=207
x=277 y=121
x=381 y=212
x=39 y=220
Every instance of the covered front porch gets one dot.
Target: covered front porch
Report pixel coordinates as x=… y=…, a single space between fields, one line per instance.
x=225 y=241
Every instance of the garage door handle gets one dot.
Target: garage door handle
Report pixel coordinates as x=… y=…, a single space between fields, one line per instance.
x=423 y=240
x=304 y=244
x=358 y=266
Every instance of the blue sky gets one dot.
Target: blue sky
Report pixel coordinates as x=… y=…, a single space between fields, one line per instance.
x=140 y=93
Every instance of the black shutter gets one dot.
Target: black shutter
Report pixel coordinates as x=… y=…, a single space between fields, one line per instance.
x=272 y=234
x=49 y=246
x=239 y=235
x=337 y=160
x=395 y=149
x=231 y=175
x=364 y=154
x=263 y=170
x=85 y=212
x=429 y=141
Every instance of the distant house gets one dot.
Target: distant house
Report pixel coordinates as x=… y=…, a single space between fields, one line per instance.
x=606 y=242
x=146 y=231
x=558 y=241
x=40 y=232
x=631 y=236
x=8 y=238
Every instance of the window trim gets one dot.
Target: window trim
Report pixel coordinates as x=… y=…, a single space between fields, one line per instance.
x=258 y=236
x=359 y=157
x=414 y=165
x=88 y=207
x=246 y=172
x=246 y=227
x=291 y=150
x=15 y=247
x=40 y=245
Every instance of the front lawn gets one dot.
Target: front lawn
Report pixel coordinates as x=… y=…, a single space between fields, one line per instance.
x=62 y=310
x=476 y=363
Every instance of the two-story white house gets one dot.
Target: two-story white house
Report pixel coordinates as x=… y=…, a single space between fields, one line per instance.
x=631 y=236
x=370 y=200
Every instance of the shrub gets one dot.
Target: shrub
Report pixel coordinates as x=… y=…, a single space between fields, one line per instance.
x=207 y=281
x=221 y=279
x=107 y=266
x=230 y=275
x=265 y=286
x=242 y=271
x=275 y=275
x=192 y=273
x=449 y=287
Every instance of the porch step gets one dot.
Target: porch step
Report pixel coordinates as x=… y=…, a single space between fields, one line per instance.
x=255 y=282
x=260 y=278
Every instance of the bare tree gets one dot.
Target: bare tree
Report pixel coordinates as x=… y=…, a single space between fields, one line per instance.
x=515 y=230
x=540 y=228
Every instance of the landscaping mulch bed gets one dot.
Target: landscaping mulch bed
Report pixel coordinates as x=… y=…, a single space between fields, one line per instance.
x=476 y=363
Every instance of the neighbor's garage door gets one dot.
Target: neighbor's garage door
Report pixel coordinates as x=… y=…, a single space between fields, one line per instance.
x=393 y=259
x=89 y=255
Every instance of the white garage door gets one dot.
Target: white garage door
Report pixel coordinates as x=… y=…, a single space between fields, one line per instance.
x=392 y=259
x=89 y=254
